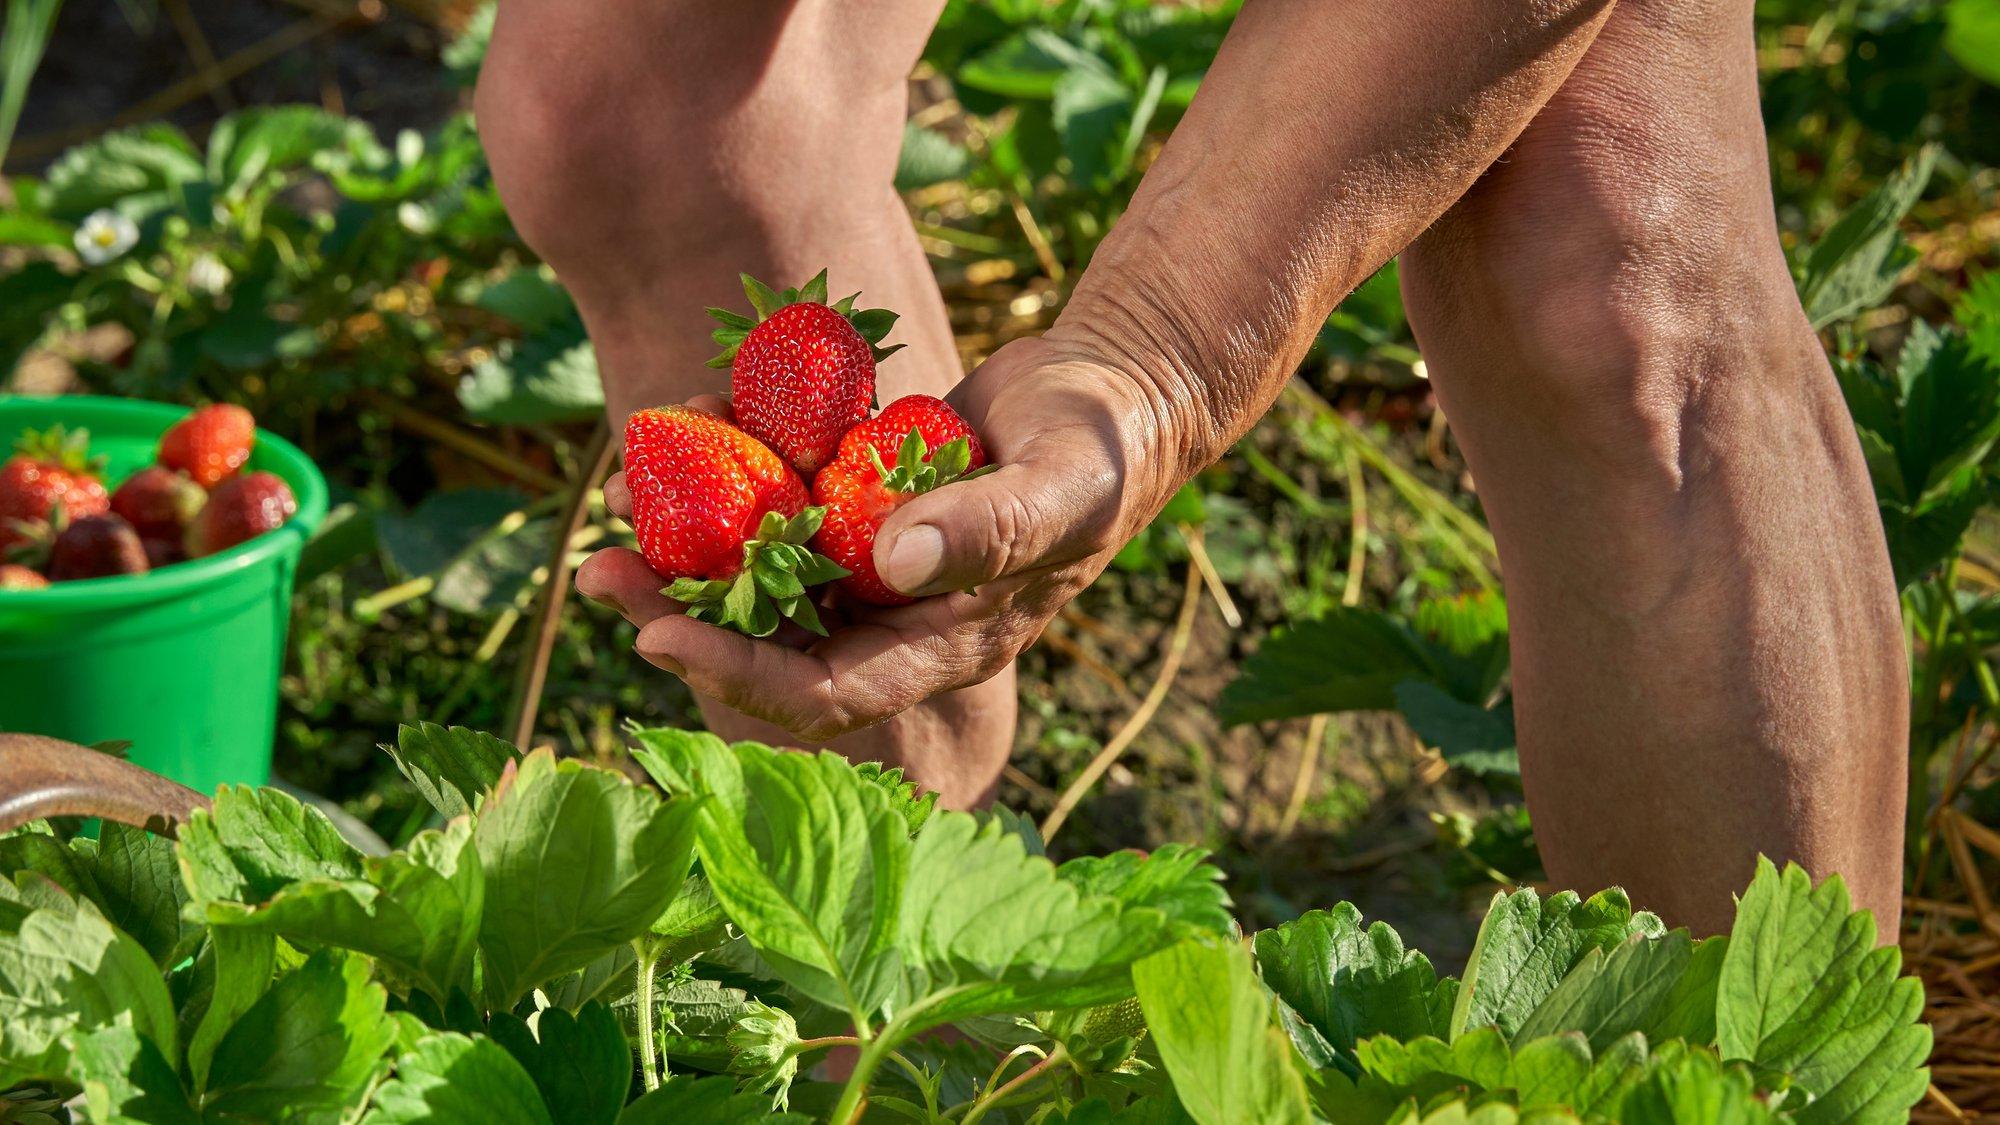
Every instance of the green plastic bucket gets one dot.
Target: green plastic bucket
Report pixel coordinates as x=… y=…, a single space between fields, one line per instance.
x=182 y=662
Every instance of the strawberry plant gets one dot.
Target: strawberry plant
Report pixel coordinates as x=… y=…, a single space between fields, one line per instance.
x=573 y=946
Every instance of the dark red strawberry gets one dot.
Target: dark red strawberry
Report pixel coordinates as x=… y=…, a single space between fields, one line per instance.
x=803 y=372
x=211 y=444
x=723 y=517
x=239 y=510
x=13 y=576
x=158 y=502
x=48 y=469
x=885 y=433
x=164 y=552
x=96 y=547
x=860 y=495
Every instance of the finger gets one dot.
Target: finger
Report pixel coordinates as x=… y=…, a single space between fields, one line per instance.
x=713 y=404
x=617 y=497
x=1054 y=508
x=859 y=676
x=621 y=579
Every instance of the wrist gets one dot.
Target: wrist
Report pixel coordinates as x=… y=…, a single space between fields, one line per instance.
x=1163 y=374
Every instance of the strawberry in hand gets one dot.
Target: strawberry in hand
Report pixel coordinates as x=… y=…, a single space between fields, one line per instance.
x=722 y=516
x=803 y=372
x=860 y=491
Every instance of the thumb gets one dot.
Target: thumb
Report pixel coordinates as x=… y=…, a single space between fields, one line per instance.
x=1026 y=516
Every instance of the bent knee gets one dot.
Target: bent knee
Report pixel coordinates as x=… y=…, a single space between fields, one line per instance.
x=604 y=107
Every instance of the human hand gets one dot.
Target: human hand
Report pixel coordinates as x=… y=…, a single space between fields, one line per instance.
x=1074 y=439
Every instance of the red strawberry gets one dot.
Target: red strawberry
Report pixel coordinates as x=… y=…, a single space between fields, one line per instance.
x=164 y=552
x=48 y=469
x=240 y=510
x=725 y=518
x=158 y=502
x=211 y=444
x=803 y=372
x=859 y=496
x=16 y=577
x=939 y=424
x=95 y=547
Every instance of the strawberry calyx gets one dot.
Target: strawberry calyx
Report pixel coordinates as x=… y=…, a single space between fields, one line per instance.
x=60 y=448
x=778 y=570
x=873 y=324
x=917 y=469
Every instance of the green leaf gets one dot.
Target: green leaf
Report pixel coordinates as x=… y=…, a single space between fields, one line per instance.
x=1636 y=986
x=1920 y=543
x=231 y=972
x=1469 y=736
x=145 y=160
x=696 y=1016
x=1211 y=1021
x=1528 y=944
x=247 y=338
x=581 y=1063
x=1092 y=111
x=1349 y=983
x=1972 y=35
x=1951 y=410
x=1346 y=660
x=1804 y=990
x=251 y=143
x=928 y=157
x=548 y=376
x=1027 y=65
x=498 y=572
x=256 y=842
x=1855 y=266
x=915 y=803
x=64 y=970
x=712 y=1101
x=1694 y=1085
x=578 y=860
x=17 y=229
x=310 y=1044
x=140 y=891
x=449 y=1078
x=1175 y=879
x=529 y=297
x=126 y=1080
x=451 y=767
x=807 y=858
x=418 y=909
x=444 y=526
x=988 y=928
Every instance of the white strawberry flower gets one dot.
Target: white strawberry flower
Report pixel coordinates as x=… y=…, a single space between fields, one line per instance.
x=207 y=274
x=104 y=235
x=416 y=218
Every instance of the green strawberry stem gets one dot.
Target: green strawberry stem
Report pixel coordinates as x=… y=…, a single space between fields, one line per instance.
x=68 y=450
x=919 y=470
x=873 y=324
x=778 y=571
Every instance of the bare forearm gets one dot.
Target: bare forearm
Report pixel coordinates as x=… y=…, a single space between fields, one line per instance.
x=1328 y=134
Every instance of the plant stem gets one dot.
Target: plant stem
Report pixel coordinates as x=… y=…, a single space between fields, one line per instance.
x=649 y=1047
x=804 y=1045
x=847 y=1110
x=534 y=669
x=994 y=1097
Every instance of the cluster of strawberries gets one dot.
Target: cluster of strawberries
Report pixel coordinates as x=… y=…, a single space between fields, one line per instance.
x=725 y=510
x=58 y=524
